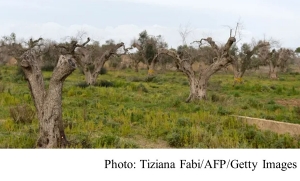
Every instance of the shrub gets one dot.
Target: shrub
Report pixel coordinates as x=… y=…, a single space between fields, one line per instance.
x=140 y=88
x=114 y=62
x=215 y=98
x=184 y=122
x=273 y=107
x=2 y=88
x=179 y=137
x=19 y=75
x=83 y=141
x=108 y=140
x=297 y=111
x=271 y=102
x=222 y=111
x=22 y=113
x=236 y=94
x=254 y=103
x=174 y=140
x=103 y=71
x=104 y=83
x=82 y=84
x=150 y=79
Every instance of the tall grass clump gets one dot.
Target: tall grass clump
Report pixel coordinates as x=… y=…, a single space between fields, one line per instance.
x=22 y=113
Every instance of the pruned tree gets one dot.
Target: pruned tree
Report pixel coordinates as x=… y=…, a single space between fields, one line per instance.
x=93 y=57
x=198 y=81
x=184 y=32
x=276 y=59
x=243 y=59
x=48 y=103
x=147 y=47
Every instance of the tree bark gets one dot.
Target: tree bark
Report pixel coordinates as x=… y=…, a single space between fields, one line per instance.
x=198 y=83
x=240 y=65
x=198 y=89
x=88 y=77
x=48 y=104
x=272 y=71
x=92 y=67
x=239 y=68
x=151 y=69
x=136 y=67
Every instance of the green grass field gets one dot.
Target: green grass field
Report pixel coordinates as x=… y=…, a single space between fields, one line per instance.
x=127 y=110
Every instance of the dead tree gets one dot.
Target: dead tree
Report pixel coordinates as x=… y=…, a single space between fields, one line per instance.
x=92 y=59
x=198 y=81
x=275 y=59
x=48 y=103
x=242 y=61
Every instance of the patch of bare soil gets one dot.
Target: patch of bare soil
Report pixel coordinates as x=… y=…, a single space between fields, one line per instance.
x=146 y=143
x=288 y=102
x=275 y=126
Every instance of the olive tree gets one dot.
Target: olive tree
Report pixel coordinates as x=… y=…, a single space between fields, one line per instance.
x=242 y=60
x=48 y=102
x=275 y=59
x=198 y=81
x=93 y=57
x=147 y=47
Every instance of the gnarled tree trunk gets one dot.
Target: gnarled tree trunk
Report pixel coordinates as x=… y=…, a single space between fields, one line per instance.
x=238 y=77
x=272 y=71
x=151 y=68
x=48 y=103
x=238 y=72
x=92 y=67
x=198 y=83
x=198 y=89
x=241 y=64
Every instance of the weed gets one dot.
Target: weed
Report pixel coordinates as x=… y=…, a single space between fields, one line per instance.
x=254 y=103
x=215 y=98
x=297 y=111
x=2 y=87
x=125 y=106
x=82 y=84
x=222 y=111
x=104 y=83
x=107 y=141
x=271 y=102
x=22 y=113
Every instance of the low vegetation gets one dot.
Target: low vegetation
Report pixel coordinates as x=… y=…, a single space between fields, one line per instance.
x=126 y=109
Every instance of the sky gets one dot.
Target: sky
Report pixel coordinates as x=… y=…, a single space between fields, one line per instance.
x=123 y=20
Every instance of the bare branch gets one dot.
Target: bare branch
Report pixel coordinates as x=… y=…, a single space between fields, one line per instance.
x=184 y=32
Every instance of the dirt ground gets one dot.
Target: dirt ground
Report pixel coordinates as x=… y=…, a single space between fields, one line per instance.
x=288 y=102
